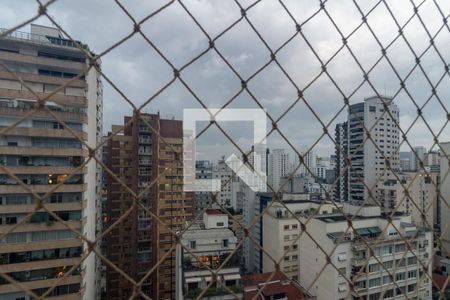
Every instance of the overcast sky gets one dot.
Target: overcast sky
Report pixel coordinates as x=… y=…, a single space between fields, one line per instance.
x=139 y=71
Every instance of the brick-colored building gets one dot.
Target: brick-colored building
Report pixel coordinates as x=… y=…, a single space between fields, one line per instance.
x=148 y=160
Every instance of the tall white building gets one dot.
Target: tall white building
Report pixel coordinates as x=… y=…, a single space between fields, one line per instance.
x=42 y=152
x=432 y=161
x=279 y=166
x=368 y=161
x=417 y=156
x=307 y=168
x=445 y=197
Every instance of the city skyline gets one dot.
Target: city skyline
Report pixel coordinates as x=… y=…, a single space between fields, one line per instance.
x=215 y=83
x=117 y=181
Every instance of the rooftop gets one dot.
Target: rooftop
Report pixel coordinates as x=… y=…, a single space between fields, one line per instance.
x=214 y=211
x=278 y=284
x=51 y=36
x=440 y=281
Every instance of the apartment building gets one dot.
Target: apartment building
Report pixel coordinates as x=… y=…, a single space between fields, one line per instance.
x=340 y=192
x=307 y=168
x=143 y=155
x=222 y=172
x=445 y=197
x=281 y=228
x=210 y=242
x=371 y=160
x=417 y=159
x=279 y=166
x=203 y=200
x=432 y=161
x=42 y=153
x=382 y=260
x=414 y=194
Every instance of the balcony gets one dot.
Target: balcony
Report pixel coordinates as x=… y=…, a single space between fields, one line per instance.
x=41 y=151
x=30 y=169
x=36 y=265
x=40 y=60
x=215 y=260
x=358 y=261
x=27 y=208
x=45 y=132
x=40 y=227
x=43 y=283
x=67 y=116
x=32 y=246
x=66 y=188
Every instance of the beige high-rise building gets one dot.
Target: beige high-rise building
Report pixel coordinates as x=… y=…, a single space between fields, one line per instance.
x=414 y=194
x=42 y=153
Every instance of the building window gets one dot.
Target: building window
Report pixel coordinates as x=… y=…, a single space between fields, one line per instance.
x=225 y=243
x=388 y=264
x=10 y=220
x=193 y=244
x=400 y=248
x=412 y=260
x=286 y=227
x=374 y=282
x=400 y=276
x=388 y=294
x=374 y=268
x=411 y=287
x=412 y=274
x=341 y=257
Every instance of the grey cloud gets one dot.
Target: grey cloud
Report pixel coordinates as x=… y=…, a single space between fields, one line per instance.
x=140 y=72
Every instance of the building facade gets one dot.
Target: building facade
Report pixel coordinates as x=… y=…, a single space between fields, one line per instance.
x=281 y=229
x=371 y=160
x=147 y=158
x=340 y=192
x=203 y=170
x=417 y=158
x=209 y=243
x=371 y=260
x=43 y=152
x=222 y=172
x=279 y=166
x=414 y=194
